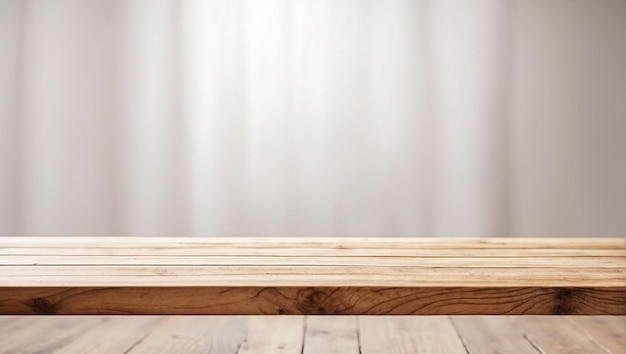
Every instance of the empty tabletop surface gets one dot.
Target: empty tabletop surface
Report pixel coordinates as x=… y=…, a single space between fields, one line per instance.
x=310 y=276
x=314 y=262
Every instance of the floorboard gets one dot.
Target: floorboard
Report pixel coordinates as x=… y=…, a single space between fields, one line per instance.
x=491 y=335
x=409 y=334
x=331 y=335
x=274 y=334
x=551 y=334
x=313 y=334
x=606 y=331
x=215 y=334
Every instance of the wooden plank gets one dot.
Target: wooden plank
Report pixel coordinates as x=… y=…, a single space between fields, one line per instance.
x=491 y=335
x=312 y=301
x=271 y=335
x=276 y=275
x=45 y=335
x=607 y=332
x=556 y=335
x=311 y=246
x=402 y=335
x=70 y=334
x=194 y=335
x=12 y=327
x=307 y=276
x=10 y=323
x=154 y=263
x=111 y=335
x=247 y=260
x=331 y=335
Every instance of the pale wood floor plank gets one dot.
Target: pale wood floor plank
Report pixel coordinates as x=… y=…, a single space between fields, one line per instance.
x=554 y=335
x=608 y=331
x=331 y=335
x=47 y=334
x=268 y=335
x=204 y=334
x=9 y=323
x=406 y=334
x=113 y=335
x=322 y=334
x=491 y=335
x=13 y=328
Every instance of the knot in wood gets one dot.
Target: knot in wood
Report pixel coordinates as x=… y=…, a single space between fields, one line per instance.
x=564 y=300
x=312 y=300
x=41 y=305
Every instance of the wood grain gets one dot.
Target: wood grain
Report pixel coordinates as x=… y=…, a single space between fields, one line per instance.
x=553 y=335
x=331 y=335
x=399 y=276
x=274 y=335
x=312 y=301
x=51 y=335
x=311 y=334
x=307 y=276
x=404 y=335
x=194 y=335
x=491 y=335
x=607 y=332
x=122 y=334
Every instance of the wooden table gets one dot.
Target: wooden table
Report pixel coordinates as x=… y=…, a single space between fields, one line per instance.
x=312 y=334
x=310 y=276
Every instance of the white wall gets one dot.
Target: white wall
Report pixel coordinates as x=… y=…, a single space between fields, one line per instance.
x=302 y=117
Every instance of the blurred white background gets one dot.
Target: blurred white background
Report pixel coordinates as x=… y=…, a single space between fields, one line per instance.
x=313 y=117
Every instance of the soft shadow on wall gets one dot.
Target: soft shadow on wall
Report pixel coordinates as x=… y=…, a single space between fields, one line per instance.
x=404 y=117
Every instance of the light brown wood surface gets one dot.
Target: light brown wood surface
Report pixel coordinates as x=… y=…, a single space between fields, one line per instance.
x=607 y=332
x=556 y=336
x=98 y=339
x=310 y=334
x=348 y=276
x=408 y=334
x=489 y=334
x=51 y=335
x=331 y=335
x=269 y=335
x=194 y=334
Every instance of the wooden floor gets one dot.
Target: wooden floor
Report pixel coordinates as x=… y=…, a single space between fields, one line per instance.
x=312 y=334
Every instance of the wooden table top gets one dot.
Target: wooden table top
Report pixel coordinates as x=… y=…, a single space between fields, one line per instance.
x=313 y=334
x=312 y=275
